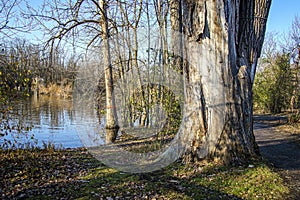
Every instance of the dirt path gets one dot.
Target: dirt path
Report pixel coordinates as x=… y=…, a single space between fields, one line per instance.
x=280 y=148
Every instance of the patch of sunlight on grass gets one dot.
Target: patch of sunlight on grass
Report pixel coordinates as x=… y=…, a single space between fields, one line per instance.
x=175 y=195
x=258 y=182
x=100 y=172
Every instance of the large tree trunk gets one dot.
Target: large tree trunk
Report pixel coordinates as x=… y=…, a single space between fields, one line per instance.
x=223 y=39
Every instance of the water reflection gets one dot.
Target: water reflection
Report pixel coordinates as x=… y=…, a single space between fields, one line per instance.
x=57 y=121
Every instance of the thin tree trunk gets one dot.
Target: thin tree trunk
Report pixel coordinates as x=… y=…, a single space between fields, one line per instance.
x=111 y=114
x=137 y=17
x=176 y=35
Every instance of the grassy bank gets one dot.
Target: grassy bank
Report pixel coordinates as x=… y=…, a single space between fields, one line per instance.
x=75 y=174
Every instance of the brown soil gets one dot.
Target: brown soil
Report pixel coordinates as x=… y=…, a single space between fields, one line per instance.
x=280 y=148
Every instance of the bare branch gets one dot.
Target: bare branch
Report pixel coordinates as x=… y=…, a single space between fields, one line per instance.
x=6 y=12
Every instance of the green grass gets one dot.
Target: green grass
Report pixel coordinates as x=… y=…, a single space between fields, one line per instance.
x=75 y=174
x=257 y=182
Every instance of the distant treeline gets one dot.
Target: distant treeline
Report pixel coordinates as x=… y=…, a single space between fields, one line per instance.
x=22 y=65
x=277 y=83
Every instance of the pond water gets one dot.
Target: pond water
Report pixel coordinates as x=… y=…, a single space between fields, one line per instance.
x=61 y=122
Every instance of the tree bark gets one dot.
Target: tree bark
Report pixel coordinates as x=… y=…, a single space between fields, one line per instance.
x=111 y=114
x=176 y=35
x=223 y=39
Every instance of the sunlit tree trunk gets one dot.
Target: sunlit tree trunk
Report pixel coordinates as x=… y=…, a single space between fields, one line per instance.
x=111 y=114
x=223 y=39
x=161 y=11
x=176 y=35
x=138 y=6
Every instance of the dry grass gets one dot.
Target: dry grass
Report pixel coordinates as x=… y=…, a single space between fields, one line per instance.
x=56 y=90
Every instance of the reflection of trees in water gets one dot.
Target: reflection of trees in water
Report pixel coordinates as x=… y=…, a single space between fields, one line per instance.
x=52 y=111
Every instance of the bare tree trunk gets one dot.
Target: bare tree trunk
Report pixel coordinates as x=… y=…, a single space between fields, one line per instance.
x=176 y=35
x=162 y=10
x=111 y=114
x=222 y=40
x=137 y=17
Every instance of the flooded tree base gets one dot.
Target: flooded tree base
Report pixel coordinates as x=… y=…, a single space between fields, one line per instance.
x=111 y=134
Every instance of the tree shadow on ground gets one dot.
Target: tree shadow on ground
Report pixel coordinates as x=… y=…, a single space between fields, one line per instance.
x=74 y=174
x=267 y=121
x=282 y=153
x=281 y=149
x=111 y=184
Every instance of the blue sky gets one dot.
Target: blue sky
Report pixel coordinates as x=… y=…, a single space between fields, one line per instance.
x=282 y=14
x=280 y=19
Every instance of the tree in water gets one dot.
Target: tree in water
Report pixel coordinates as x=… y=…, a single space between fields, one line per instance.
x=111 y=114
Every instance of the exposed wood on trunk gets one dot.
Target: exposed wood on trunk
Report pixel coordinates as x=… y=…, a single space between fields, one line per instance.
x=223 y=41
